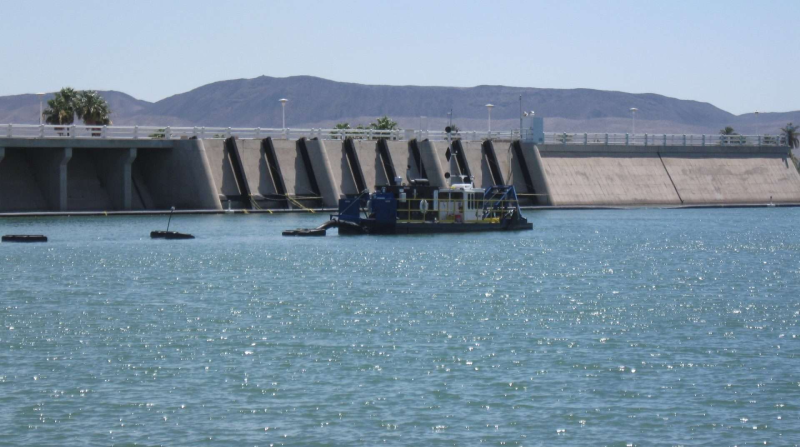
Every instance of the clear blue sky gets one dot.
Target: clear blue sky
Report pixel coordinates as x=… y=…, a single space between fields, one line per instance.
x=738 y=55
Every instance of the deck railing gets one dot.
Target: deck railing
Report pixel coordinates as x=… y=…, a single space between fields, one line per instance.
x=176 y=133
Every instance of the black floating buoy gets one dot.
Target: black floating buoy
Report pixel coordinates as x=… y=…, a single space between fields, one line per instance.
x=24 y=238
x=170 y=234
x=305 y=232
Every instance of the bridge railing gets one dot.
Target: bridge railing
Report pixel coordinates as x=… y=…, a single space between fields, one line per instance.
x=662 y=139
x=173 y=133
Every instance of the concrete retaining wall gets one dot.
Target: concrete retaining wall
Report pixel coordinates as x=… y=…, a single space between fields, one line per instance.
x=433 y=158
x=181 y=177
x=93 y=175
x=19 y=190
x=477 y=163
x=85 y=192
x=594 y=178
x=292 y=168
x=403 y=159
x=668 y=175
x=221 y=169
x=732 y=178
x=371 y=165
x=326 y=180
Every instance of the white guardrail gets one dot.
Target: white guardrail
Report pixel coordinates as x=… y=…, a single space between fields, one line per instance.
x=177 y=133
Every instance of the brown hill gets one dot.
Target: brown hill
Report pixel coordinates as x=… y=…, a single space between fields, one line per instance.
x=316 y=102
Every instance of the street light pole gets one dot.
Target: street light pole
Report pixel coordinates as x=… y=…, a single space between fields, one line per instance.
x=489 y=108
x=633 y=119
x=283 y=112
x=41 y=107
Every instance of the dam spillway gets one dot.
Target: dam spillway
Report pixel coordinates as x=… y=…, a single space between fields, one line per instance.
x=108 y=170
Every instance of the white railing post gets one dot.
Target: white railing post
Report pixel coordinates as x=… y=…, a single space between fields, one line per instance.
x=228 y=133
x=258 y=133
x=203 y=133
x=41 y=131
x=627 y=139
x=585 y=139
x=9 y=132
x=759 y=140
x=168 y=133
x=135 y=132
x=704 y=140
x=665 y=139
x=73 y=131
x=104 y=132
x=194 y=131
x=645 y=139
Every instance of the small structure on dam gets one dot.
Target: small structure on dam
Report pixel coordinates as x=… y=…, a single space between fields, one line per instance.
x=86 y=168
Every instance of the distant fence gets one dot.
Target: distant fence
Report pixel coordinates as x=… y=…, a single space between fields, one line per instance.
x=176 y=133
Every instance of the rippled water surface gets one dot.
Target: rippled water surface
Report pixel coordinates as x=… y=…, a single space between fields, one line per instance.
x=638 y=327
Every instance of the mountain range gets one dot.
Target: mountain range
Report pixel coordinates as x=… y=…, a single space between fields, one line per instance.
x=317 y=102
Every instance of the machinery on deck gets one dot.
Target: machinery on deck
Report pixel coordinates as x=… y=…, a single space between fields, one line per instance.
x=417 y=208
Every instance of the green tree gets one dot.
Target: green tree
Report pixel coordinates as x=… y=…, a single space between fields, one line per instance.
x=790 y=133
x=728 y=130
x=86 y=105
x=92 y=108
x=61 y=109
x=384 y=123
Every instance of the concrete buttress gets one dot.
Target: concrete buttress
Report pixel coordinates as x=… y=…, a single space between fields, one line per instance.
x=328 y=187
x=115 y=169
x=50 y=171
x=430 y=159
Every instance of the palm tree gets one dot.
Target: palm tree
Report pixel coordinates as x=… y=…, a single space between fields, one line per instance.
x=790 y=133
x=61 y=109
x=92 y=108
x=728 y=130
x=384 y=123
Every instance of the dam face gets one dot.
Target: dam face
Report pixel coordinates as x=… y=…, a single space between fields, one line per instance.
x=83 y=174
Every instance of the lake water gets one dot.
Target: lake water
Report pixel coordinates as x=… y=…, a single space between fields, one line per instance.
x=634 y=327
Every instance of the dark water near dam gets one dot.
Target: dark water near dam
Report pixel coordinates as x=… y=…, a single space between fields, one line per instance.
x=635 y=327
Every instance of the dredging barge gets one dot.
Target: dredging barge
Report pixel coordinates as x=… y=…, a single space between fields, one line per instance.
x=418 y=208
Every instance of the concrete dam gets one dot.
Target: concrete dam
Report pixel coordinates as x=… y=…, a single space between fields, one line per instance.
x=101 y=172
